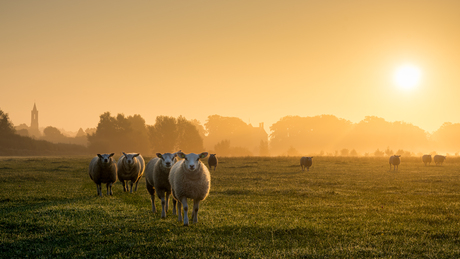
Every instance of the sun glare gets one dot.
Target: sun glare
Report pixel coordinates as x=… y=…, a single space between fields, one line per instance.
x=407 y=77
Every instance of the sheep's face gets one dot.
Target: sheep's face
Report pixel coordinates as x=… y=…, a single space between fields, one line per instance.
x=192 y=161
x=130 y=158
x=167 y=159
x=105 y=158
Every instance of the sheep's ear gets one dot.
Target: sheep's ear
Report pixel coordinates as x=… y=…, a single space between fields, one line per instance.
x=175 y=154
x=99 y=155
x=136 y=154
x=124 y=153
x=180 y=154
x=111 y=155
x=204 y=154
x=159 y=155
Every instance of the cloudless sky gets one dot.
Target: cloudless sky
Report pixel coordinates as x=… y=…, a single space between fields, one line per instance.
x=257 y=60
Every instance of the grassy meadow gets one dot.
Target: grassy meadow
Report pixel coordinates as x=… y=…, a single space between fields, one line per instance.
x=257 y=208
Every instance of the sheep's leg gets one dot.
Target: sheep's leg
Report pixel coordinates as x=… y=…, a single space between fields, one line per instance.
x=124 y=186
x=151 y=190
x=161 y=195
x=135 y=188
x=131 y=189
x=99 y=191
x=109 y=189
x=196 y=204
x=185 y=205
x=179 y=214
x=168 y=193
x=174 y=206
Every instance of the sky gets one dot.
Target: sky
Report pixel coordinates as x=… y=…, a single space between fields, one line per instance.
x=256 y=60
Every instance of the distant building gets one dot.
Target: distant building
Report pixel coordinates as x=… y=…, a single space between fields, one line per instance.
x=33 y=130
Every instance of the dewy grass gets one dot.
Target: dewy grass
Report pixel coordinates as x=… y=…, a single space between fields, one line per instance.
x=257 y=208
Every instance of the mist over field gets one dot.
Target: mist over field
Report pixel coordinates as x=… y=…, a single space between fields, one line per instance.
x=324 y=135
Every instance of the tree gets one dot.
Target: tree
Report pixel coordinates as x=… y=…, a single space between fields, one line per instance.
x=163 y=134
x=223 y=148
x=263 y=148
x=353 y=152
x=389 y=152
x=378 y=153
x=188 y=137
x=344 y=152
x=116 y=134
x=6 y=127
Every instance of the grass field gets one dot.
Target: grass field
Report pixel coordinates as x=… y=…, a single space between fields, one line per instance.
x=257 y=208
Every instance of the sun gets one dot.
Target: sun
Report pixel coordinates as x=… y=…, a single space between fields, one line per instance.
x=407 y=77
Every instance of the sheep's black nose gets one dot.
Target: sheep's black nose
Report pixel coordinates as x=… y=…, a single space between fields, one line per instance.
x=168 y=163
x=192 y=166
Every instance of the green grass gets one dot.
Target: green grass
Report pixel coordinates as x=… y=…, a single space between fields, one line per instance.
x=257 y=208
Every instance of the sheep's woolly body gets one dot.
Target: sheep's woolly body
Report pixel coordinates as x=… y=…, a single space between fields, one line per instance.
x=212 y=161
x=157 y=179
x=426 y=159
x=191 y=184
x=130 y=172
x=395 y=161
x=438 y=159
x=306 y=161
x=101 y=172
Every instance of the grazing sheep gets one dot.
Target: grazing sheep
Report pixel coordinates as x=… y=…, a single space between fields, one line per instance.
x=426 y=159
x=131 y=167
x=189 y=178
x=157 y=179
x=395 y=161
x=103 y=169
x=438 y=159
x=212 y=161
x=306 y=161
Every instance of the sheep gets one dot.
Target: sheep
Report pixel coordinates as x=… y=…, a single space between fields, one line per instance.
x=426 y=159
x=212 y=161
x=395 y=161
x=157 y=178
x=306 y=161
x=103 y=169
x=131 y=167
x=189 y=178
x=438 y=159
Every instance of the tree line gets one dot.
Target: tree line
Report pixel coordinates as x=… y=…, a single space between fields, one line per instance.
x=231 y=136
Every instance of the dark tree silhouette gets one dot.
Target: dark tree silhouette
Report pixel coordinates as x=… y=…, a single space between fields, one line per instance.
x=6 y=127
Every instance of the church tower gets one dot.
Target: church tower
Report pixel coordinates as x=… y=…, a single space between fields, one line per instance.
x=34 y=131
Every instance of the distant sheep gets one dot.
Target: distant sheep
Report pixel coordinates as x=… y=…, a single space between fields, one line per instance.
x=395 y=161
x=103 y=169
x=131 y=167
x=306 y=161
x=189 y=178
x=438 y=159
x=212 y=161
x=157 y=179
x=426 y=159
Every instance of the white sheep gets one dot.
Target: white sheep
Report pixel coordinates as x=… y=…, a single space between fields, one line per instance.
x=157 y=179
x=131 y=167
x=438 y=159
x=306 y=161
x=395 y=161
x=426 y=159
x=103 y=169
x=189 y=178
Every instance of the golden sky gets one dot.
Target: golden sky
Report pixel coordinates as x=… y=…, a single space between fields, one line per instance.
x=256 y=60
